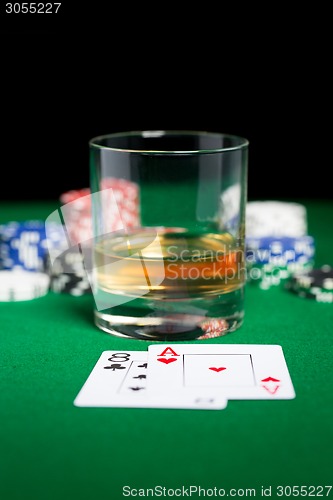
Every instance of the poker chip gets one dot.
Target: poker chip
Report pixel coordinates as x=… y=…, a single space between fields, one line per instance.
x=275 y=218
x=280 y=249
x=32 y=254
x=69 y=283
x=214 y=327
x=19 y=285
x=315 y=284
x=271 y=260
x=228 y=214
x=68 y=273
x=23 y=245
x=76 y=212
x=119 y=198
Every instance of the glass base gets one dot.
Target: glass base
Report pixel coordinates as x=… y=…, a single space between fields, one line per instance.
x=174 y=320
x=165 y=331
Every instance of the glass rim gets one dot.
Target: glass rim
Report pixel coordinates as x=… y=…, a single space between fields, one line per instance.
x=93 y=143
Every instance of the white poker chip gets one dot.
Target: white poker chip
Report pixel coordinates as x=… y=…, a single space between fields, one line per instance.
x=22 y=285
x=275 y=218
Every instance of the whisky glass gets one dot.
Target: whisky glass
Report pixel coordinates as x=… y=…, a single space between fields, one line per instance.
x=169 y=229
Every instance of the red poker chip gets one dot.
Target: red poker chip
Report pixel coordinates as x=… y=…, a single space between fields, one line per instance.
x=214 y=327
x=125 y=213
x=74 y=195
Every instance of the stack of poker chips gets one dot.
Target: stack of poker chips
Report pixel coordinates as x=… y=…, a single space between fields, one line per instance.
x=68 y=273
x=23 y=245
x=26 y=270
x=120 y=206
x=31 y=262
x=23 y=259
x=277 y=246
x=76 y=210
x=119 y=199
x=316 y=284
x=275 y=218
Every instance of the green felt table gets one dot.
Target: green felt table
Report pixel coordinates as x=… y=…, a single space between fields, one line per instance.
x=52 y=450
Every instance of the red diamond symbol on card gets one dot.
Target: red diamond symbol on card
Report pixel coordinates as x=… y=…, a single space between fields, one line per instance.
x=166 y=361
x=270 y=379
x=271 y=384
x=219 y=369
x=271 y=390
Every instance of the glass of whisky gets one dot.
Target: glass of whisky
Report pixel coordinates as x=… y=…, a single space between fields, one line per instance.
x=169 y=230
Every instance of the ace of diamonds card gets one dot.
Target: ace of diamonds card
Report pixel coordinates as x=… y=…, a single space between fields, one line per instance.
x=238 y=371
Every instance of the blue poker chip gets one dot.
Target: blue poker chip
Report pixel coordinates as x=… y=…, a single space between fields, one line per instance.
x=271 y=260
x=23 y=245
x=280 y=251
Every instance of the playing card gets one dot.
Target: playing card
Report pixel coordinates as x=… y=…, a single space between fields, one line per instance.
x=119 y=379
x=238 y=371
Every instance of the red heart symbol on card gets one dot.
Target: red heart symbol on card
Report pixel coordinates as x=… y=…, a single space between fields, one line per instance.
x=166 y=361
x=217 y=369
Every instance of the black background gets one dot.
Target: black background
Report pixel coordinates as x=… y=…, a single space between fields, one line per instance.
x=89 y=72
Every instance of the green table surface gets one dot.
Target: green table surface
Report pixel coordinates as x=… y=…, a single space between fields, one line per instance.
x=50 y=449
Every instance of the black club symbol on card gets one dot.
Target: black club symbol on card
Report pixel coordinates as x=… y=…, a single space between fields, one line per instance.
x=144 y=365
x=141 y=376
x=114 y=367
